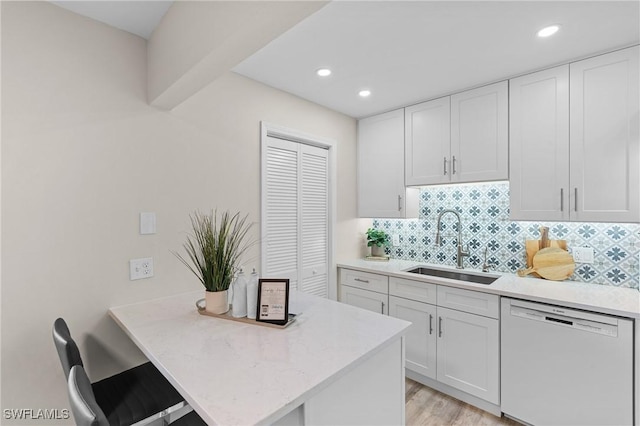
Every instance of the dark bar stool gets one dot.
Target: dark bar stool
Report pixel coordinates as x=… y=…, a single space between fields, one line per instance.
x=88 y=412
x=140 y=394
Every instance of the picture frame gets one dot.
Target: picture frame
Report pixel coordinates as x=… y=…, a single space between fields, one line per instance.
x=273 y=301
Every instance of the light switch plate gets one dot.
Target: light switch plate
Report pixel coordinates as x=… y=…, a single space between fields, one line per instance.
x=140 y=268
x=147 y=223
x=396 y=240
x=583 y=254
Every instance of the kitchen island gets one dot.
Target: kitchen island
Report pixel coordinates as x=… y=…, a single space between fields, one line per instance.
x=336 y=364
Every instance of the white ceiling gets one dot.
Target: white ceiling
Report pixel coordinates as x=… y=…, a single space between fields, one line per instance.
x=407 y=52
x=137 y=17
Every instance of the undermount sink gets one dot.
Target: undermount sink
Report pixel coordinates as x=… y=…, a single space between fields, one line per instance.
x=454 y=275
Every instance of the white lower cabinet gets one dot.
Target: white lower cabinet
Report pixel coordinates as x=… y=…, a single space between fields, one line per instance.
x=456 y=348
x=454 y=338
x=468 y=353
x=420 y=339
x=365 y=299
x=364 y=290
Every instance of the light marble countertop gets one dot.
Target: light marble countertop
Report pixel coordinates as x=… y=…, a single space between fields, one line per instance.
x=237 y=373
x=592 y=297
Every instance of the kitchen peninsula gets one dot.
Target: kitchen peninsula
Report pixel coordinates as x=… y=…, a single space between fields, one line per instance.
x=334 y=364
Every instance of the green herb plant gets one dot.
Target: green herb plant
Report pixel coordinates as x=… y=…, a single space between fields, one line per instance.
x=215 y=248
x=377 y=237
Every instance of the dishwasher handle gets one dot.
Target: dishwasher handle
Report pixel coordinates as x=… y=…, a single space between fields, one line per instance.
x=558 y=320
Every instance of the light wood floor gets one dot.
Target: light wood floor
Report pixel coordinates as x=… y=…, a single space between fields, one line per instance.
x=426 y=406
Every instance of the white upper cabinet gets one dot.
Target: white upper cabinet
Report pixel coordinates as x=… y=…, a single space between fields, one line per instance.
x=381 y=189
x=539 y=145
x=604 y=142
x=479 y=134
x=458 y=138
x=574 y=141
x=428 y=142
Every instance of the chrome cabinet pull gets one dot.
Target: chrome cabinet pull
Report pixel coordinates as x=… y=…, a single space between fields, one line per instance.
x=561 y=199
x=445 y=165
x=399 y=203
x=361 y=280
x=453 y=166
x=575 y=199
x=439 y=326
x=430 y=324
x=382 y=307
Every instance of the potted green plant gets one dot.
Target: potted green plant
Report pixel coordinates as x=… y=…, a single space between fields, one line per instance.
x=213 y=254
x=377 y=239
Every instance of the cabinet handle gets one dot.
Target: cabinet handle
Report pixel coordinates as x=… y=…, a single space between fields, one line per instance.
x=382 y=307
x=439 y=326
x=430 y=324
x=575 y=199
x=445 y=165
x=453 y=166
x=361 y=280
x=399 y=203
x=561 y=199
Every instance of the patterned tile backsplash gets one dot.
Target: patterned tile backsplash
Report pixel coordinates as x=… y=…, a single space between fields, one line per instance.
x=484 y=210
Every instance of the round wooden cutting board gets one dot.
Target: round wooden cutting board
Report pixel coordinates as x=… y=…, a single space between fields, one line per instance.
x=551 y=263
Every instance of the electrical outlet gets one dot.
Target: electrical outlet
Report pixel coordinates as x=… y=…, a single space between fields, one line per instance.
x=583 y=254
x=396 y=240
x=140 y=268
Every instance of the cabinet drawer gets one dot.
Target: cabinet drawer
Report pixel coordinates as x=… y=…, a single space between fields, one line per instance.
x=474 y=302
x=365 y=280
x=369 y=300
x=413 y=290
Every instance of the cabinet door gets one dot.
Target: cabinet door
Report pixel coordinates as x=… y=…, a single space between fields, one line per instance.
x=369 y=300
x=427 y=142
x=479 y=134
x=420 y=338
x=604 y=139
x=381 y=190
x=539 y=145
x=468 y=350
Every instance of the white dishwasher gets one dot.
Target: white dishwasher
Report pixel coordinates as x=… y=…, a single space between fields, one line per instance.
x=565 y=367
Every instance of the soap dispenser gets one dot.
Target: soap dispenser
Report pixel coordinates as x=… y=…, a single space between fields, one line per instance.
x=239 y=299
x=252 y=295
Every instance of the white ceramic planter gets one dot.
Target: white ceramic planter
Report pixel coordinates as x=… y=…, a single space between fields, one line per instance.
x=217 y=302
x=377 y=251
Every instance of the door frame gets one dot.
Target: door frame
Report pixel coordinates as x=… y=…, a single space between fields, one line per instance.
x=281 y=132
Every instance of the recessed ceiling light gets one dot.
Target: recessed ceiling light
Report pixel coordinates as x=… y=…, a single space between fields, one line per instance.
x=364 y=93
x=324 y=72
x=548 y=31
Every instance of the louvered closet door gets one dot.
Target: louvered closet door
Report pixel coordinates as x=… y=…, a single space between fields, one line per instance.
x=280 y=210
x=313 y=218
x=295 y=215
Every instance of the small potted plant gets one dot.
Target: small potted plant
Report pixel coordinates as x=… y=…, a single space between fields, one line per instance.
x=377 y=240
x=213 y=254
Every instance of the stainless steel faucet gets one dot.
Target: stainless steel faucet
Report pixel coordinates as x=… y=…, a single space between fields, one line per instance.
x=461 y=253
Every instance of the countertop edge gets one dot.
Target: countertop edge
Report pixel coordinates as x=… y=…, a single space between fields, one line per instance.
x=573 y=294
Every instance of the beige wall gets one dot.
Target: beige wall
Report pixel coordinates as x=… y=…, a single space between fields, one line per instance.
x=83 y=154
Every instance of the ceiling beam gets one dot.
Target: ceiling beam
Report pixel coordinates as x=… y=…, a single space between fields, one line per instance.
x=197 y=42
